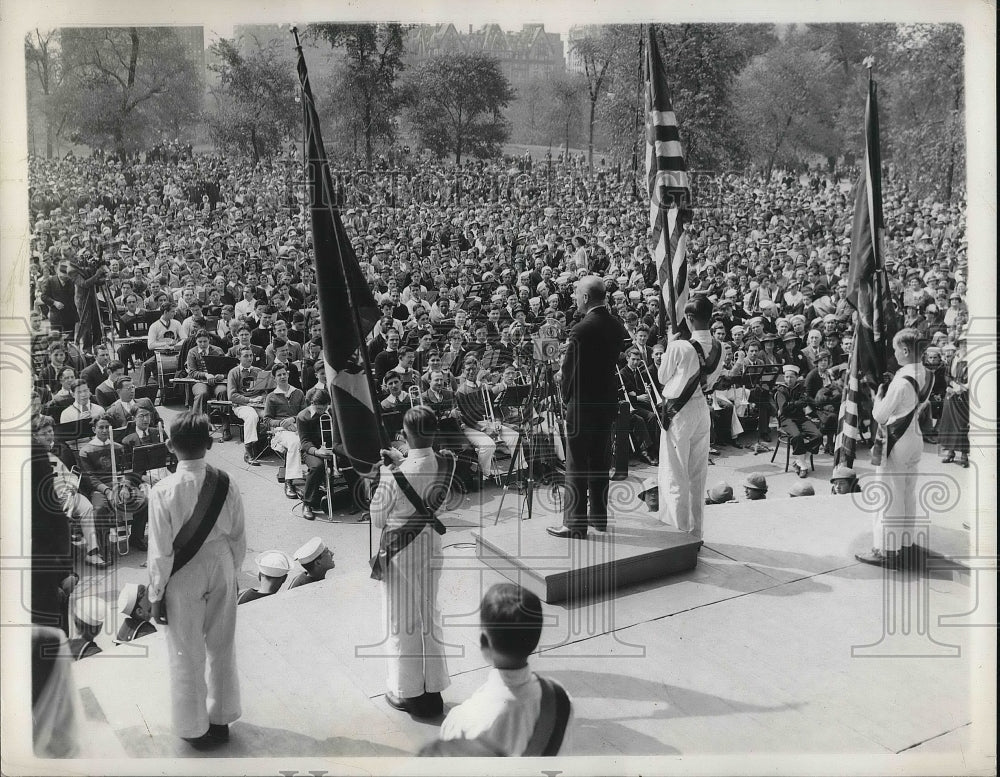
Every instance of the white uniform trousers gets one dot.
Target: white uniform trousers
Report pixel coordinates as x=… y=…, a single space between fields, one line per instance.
x=684 y=467
x=287 y=442
x=893 y=526
x=409 y=605
x=79 y=508
x=201 y=638
x=250 y=417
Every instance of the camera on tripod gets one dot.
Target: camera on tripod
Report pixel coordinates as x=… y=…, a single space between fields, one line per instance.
x=546 y=349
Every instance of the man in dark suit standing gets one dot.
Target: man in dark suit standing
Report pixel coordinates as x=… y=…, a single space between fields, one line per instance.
x=590 y=391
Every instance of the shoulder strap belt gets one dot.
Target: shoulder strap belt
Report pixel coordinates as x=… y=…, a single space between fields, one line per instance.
x=553 y=717
x=206 y=512
x=671 y=407
x=393 y=541
x=895 y=431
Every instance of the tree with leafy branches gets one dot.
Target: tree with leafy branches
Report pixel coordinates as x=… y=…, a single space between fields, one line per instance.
x=125 y=86
x=456 y=104
x=256 y=106
x=373 y=63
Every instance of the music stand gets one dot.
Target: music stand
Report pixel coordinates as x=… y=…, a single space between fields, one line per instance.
x=73 y=430
x=220 y=365
x=147 y=457
x=761 y=377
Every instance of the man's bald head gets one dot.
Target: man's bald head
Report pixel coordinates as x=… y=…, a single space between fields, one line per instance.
x=590 y=292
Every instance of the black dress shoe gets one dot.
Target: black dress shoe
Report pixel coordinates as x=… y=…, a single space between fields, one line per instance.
x=620 y=475
x=601 y=527
x=430 y=705
x=206 y=741
x=250 y=460
x=307 y=513
x=290 y=491
x=879 y=558
x=645 y=458
x=408 y=704
x=227 y=433
x=566 y=533
x=218 y=731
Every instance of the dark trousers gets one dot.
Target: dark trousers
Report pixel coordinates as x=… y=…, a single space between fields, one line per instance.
x=316 y=477
x=588 y=459
x=645 y=429
x=804 y=435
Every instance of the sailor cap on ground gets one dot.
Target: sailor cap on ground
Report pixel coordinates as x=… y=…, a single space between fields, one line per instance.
x=128 y=598
x=310 y=551
x=90 y=610
x=802 y=488
x=273 y=563
x=756 y=481
x=720 y=492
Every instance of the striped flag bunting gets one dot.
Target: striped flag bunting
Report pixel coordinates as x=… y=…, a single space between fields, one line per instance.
x=347 y=307
x=668 y=187
x=867 y=290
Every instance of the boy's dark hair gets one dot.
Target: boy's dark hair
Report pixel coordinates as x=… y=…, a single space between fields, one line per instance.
x=191 y=431
x=512 y=618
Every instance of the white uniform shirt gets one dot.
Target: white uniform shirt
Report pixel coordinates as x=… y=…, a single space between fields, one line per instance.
x=389 y=505
x=680 y=362
x=502 y=711
x=171 y=502
x=75 y=413
x=900 y=398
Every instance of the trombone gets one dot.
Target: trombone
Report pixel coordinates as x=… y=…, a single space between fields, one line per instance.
x=416 y=395
x=326 y=437
x=120 y=537
x=631 y=407
x=491 y=416
x=654 y=395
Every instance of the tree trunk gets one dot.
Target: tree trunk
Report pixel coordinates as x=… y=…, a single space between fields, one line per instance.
x=590 y=138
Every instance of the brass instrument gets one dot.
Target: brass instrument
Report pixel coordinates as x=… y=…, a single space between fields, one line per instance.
x=650 y=386
x=491 y=416
x=119 y=534
x=416 y=395
x=326 y=436
x=621 y=381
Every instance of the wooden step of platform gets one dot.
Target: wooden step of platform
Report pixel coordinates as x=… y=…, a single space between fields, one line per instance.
x=636 y=548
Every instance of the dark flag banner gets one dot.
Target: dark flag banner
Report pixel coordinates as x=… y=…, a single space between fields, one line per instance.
x=347 y=307
x=668 y=187
x=867 y=290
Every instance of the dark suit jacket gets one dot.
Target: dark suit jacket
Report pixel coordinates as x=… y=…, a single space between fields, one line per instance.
x=94 y=376
x=310 y=435
x=120 y=417
x=588 y=371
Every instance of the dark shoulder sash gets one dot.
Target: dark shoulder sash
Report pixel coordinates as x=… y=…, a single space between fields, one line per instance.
x=671 y=407
x=895 y=430
x=553 y=717
x=206 y=512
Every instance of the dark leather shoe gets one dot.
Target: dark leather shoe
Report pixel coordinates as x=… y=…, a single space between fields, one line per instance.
x=206 y=741
x=250 y=460
x=601 y=527
x=218 y=731
x=566 y=533
x=430 y=705
x=227 y=433
x=620 y=475
x=879 y=558
x=307 y=513
x=408 y=704
x=290 y=491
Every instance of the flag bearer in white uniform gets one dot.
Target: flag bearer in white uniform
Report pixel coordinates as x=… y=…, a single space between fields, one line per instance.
x=688 y=370
x=417 y=670
x=897 y=408
x=200 y=600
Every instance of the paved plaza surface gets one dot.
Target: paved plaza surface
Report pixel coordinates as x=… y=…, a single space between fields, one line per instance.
x=778 y=644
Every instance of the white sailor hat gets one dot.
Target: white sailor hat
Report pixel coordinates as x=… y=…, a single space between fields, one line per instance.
x=273 y=563
x=128 y=598
x=634 y=295
x=90 y=610
x=790 y=368
x=310 y=551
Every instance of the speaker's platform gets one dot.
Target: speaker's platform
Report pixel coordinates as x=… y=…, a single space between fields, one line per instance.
x=635 y=549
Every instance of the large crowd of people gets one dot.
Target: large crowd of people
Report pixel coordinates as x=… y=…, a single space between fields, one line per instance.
x=192 y=275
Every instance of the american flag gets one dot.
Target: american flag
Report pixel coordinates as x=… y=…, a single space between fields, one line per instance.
x=668 y=186
x=867 y=290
